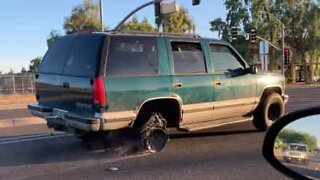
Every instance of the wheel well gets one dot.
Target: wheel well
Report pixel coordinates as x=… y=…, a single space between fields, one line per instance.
x=269 y=91
x=169 y=108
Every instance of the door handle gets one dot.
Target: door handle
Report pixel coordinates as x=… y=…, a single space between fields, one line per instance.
x=65 y=85
x=177 y=85
x=217 y=83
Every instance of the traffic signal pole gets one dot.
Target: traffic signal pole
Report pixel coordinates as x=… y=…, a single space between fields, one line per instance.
x=134 y=11
x=101 y=15
x=282 y=38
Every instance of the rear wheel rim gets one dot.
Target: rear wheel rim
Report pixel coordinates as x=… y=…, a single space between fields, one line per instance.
x=156 y=140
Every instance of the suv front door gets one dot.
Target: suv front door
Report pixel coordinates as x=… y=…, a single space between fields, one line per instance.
x=242 y=87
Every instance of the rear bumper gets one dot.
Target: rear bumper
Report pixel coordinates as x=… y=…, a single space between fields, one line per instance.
x=62 y=119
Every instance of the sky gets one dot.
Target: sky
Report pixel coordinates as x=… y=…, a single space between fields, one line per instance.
x=25 y=24
x=309 y=124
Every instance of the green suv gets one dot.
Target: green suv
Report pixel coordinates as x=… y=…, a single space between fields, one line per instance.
x=90 y=83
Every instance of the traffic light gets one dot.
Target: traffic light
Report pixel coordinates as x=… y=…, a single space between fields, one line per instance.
x=157 y=9
x=253 y=35
x=286 y=56
x=234 y=32
x=196 y=2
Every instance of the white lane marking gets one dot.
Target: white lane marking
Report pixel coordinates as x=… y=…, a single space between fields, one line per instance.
x=30 y=136
x=20 y=140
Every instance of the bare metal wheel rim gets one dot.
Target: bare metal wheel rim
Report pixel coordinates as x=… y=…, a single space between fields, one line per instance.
x=156 y=140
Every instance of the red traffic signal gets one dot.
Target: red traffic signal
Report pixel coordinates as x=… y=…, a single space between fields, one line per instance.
x=286 y=55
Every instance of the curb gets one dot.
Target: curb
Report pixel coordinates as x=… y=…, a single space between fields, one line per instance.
x=17 y=122
x=13 y=106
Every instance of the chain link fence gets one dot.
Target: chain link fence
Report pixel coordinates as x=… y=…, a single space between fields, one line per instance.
x=11 y=84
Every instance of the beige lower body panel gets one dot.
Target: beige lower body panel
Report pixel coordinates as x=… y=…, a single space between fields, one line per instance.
x=192 y=113
x=195 y=113
x=117 y=120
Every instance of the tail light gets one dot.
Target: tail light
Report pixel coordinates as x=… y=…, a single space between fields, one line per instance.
x=99 y=97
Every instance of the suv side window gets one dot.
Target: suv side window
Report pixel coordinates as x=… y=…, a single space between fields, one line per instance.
x=84 y=57
x=188 y=58
x=223 y=58
x=55 y=58
x=132 y=56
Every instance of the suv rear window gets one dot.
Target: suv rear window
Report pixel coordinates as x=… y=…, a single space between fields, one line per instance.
x=132 y=56
x=84 y=57
x=55 y=58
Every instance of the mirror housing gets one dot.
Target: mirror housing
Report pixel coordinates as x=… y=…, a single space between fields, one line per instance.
x=272 y=134
x=252 y=69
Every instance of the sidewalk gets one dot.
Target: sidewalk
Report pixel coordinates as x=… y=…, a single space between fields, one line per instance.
x=16 y=101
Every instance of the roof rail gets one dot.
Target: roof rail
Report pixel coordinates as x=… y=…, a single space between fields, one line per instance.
x=189 y=35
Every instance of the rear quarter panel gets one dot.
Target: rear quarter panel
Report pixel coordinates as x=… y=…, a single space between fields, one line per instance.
x=128 y=92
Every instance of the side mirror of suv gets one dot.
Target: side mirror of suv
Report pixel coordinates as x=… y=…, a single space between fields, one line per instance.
x=252 y=69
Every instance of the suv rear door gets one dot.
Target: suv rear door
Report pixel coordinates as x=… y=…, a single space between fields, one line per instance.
x=190 y=79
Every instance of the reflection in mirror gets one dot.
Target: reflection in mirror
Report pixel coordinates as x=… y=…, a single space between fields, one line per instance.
x=297 y=146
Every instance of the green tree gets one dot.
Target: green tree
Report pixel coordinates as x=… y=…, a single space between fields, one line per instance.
x=177 y=22
x=301 y=19
x=84 y=17
x=11 y=72
x=291 y=136
x=34 y=65
x=23 y=70
x=135 y=25
x=220 y=26
x=52 y=37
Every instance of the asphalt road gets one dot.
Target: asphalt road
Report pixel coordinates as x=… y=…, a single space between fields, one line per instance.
x=311 y=170
x=231 y=152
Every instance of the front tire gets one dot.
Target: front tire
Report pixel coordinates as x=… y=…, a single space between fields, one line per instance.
x=268 y=111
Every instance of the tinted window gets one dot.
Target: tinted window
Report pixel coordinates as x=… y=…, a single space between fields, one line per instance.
x=223 y=58
x=85 y=55
x=132 y=56
x=187 y=58
x=55 y=58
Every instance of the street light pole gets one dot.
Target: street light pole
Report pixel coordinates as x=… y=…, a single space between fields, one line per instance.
x=101 y=15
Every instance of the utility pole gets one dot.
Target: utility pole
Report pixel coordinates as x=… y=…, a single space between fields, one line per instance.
x=282 y=47
x=101 y=15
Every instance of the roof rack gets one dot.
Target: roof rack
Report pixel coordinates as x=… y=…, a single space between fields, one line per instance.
x=188 y=35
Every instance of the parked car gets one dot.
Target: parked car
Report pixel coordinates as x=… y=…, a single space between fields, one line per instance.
x=90 y=83
x=297 y=153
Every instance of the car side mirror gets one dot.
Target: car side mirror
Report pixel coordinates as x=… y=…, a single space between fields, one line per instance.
x=292 y=143
x=252 y=69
